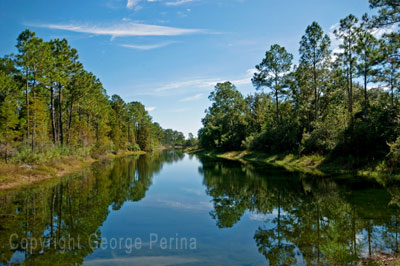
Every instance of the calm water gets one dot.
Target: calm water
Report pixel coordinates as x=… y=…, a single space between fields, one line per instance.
x=171 y=208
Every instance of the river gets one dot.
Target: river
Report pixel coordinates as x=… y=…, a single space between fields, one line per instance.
x=172 y=208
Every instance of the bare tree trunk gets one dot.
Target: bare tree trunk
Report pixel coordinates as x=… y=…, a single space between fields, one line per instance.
x=277 y=99
x=351 y=91
x=315 y=87
x=34 y=113
x=69 y=122
x=365 y=93
x=53 y=122
x=129 y=133
x=277 y=107
x=27 y=102
x=60 y=114
x=392 y=91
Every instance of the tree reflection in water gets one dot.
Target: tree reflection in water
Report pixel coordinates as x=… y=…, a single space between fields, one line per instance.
x=307 y=220
x=74 y=208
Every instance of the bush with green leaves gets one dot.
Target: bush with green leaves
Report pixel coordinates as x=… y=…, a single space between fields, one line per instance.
x=393 y=157
x=134 y=147
x=102 y=148
x=322 y=140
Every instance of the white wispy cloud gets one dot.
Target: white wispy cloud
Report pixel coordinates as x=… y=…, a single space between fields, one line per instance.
x=178 y=2
x=192 y=98
x=258 y=217
x=207 y=82
x=146 y=46
x=378 y=33
x=121 y=29
x=150 y=108
x=246 y=80
x=195 y=85
x=335 y=43
x=184 y=205
x=133 y=4
x=130 y=4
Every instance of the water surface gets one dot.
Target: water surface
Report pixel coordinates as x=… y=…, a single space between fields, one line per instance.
x=171 y=208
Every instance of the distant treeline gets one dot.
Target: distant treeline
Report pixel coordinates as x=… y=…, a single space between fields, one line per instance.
x=340 y=103
x=50 y=104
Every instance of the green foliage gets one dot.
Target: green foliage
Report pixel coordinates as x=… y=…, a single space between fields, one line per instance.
x=272 y=73
x=46 y=96
x=8 y=126
x=388 y=13
x=282 y=139
x=322 y=140
x=25 y=155
x=394 y=155
x=102 y=148
x=315 y=56
x=224 y=124
x=368 y=139
x=319 y=106
x=144 y=137
x=134 y=147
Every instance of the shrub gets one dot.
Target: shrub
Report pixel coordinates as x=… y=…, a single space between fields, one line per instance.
x=393 y=157
x=282 y=139
x=134 y=147
x=321 y=140
x=249 y=142
x=102 y=148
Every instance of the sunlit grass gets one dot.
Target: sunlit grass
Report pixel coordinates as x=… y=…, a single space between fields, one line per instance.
x=17 y=174
x=310 y=164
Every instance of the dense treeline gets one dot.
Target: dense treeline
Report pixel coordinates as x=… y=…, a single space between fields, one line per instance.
x=49 y=104
x=343 y=104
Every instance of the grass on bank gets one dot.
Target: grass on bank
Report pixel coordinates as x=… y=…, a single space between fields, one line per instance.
x=27 y=167
x=381 y=260
x=310 y=164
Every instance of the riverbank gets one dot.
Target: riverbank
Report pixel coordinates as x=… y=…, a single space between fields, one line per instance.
x=13 y=176
x=381 y=259
x=309 y=164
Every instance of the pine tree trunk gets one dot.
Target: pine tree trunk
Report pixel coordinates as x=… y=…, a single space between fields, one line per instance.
x=60 y=114
x=34 y=114
x=277 y=99
x=315 y=88
x=129 y=133
x=392 y=91
x=53 y=122
x=69 y=122
x=27 y=103
x=351 y=91
x=277 y=107
x=365 y=94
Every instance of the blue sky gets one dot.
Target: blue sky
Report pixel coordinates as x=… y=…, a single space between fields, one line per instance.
x=169 y=54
